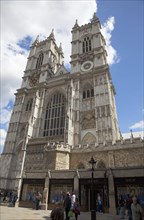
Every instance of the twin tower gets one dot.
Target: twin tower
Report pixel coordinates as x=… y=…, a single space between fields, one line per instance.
x=75 y=107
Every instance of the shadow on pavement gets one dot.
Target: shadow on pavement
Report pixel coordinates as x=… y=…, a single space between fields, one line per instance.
x=46 y=217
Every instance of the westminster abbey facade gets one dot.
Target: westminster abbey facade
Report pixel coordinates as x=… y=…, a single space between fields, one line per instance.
x=61 y=119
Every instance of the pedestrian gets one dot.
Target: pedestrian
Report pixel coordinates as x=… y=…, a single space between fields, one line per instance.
x=73 y=199
x=14 y=198
x=128 y=207
x=76 y=208
x=67 y=204
x=137 y=213
x=122 y=207
x=99 y=202
x=57 y=213
x=38 y=199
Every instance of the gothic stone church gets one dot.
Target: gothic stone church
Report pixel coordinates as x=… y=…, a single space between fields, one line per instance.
x=61 y=119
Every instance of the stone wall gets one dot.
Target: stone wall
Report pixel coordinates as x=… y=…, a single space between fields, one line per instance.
x=128 y=154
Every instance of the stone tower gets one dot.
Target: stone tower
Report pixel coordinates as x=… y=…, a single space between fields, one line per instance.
x=92 y=99
x=45 y=59
x=53 y=105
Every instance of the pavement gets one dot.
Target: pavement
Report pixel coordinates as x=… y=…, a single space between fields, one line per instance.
x=18 y=213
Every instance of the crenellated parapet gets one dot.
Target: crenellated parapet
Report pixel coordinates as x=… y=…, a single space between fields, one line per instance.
x=121 y=153
x=60 y=146
x=114 y=145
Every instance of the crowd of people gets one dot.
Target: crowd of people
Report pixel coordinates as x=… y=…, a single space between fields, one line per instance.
x=70 y=205
x=131 y=208
x=9 y=197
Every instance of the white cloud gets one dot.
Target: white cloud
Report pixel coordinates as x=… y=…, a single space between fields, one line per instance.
x=31 y=18
x=138 y=125
x=106 y=30
x=40 y=17
x=5 y=116
x=135 y=134
x=2 y=139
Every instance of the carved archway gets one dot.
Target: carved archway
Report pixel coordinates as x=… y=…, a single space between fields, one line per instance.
x=89 y=138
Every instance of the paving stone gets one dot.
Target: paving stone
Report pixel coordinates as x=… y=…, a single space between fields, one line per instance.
x=18 y=213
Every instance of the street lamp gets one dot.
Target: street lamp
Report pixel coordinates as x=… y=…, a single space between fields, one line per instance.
x=93 y=212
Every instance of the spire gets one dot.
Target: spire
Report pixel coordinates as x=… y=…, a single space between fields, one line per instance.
x=131 y=136
x=121 y=138
x=76 y=24
x=51 y=36
x=60 y=48
x=36 y=41
x=95 y=18
x=131 y=133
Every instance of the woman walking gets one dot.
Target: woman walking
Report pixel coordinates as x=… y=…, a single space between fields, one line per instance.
x=76 y=208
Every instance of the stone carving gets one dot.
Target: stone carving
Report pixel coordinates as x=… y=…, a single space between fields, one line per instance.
x=33 y=79
x=111 y=159
x=88 y=139
x=85 y=57
x=88 y=120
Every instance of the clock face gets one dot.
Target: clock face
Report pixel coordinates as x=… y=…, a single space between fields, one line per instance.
x=86 y=66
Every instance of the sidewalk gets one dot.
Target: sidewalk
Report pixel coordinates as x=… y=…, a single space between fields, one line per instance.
x=18 y=213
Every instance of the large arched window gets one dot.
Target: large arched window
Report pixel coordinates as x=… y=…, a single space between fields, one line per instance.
x=55 y=116
x=39 y=61
x=29 y=105
x=86 y=44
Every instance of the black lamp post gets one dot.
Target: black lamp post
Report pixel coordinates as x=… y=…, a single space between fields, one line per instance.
x=93 y=211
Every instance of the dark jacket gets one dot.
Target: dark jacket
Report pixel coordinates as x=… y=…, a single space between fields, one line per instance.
x=67 y=202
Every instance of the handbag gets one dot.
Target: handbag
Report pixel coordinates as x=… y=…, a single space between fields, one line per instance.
x=70 y=213
x=76 y=210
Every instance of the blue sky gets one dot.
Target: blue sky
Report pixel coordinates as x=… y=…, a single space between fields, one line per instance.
x=122 y=26
x=127 y=74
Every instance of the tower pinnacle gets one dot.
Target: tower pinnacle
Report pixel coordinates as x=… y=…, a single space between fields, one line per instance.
x=76 y=24
x=51 y=36
x=36 y=41
x=95 y=18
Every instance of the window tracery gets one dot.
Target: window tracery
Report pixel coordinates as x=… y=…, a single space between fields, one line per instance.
x=29 y=105
x=88 y=92
x=86 y=45
x=55 y=116
x=39 y=61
